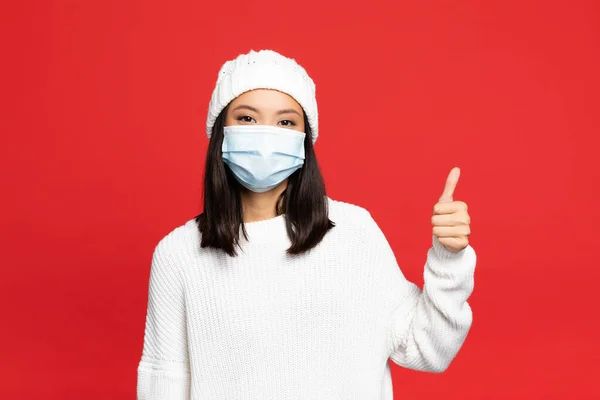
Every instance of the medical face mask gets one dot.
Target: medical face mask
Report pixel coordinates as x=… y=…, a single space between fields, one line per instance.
x=262 y=156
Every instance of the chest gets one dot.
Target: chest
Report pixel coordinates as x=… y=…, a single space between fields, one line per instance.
x=265 y=293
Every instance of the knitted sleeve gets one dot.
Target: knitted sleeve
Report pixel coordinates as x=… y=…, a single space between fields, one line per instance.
x=163 y=371
x=429 y=326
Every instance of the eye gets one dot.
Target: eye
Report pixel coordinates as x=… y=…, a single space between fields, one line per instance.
x=287 y=122
x=246 y=119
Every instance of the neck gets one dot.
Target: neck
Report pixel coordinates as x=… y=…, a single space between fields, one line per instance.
x=261 y=206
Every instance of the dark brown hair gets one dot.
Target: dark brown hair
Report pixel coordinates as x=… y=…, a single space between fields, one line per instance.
x=304 y=201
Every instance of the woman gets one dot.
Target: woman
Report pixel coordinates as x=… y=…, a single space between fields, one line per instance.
x=277 y=291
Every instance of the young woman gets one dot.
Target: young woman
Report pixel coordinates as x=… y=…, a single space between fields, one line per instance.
x=277 y=291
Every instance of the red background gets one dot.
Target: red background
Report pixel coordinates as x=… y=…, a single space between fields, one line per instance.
x=102 y=117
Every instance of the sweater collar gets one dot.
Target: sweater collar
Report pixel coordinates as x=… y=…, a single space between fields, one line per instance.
x=272 y=230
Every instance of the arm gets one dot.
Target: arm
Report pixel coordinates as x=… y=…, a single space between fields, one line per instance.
x=163 y=371
x=428 y=327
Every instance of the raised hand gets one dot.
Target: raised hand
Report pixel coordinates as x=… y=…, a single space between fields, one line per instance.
x=450 y=220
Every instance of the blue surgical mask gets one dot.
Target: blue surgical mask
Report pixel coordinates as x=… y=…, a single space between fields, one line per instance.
x=262 y=156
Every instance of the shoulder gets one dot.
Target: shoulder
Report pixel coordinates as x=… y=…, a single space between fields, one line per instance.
x=176 y=245
x=357 y=228
x=350 y=215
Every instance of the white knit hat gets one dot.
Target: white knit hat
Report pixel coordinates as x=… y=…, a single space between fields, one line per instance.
x=265 y=69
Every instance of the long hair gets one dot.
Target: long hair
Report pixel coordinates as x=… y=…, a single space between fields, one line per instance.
x=304 y=201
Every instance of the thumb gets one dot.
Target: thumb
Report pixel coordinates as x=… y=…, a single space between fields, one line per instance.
x=451 y=183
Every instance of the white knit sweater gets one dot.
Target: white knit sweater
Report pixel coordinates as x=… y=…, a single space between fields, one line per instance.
x=322 y=325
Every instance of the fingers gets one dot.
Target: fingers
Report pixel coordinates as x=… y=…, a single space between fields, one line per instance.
x=452 y=231
x=454 y=219
x=449 y=207
x=450 y=186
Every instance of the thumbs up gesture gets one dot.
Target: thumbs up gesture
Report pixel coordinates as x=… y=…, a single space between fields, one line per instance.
x=450 y=220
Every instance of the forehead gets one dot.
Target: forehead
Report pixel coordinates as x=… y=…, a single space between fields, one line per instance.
x=266 y=99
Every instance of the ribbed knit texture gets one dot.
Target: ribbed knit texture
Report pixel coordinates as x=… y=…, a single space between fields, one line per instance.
x=264 y=69
x=322 y=325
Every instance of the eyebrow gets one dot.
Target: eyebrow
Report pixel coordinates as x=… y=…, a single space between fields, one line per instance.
x=245 y=107
x=285 y=111
x=288 y=111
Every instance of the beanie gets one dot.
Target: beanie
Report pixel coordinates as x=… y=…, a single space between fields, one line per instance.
x=264 y=69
